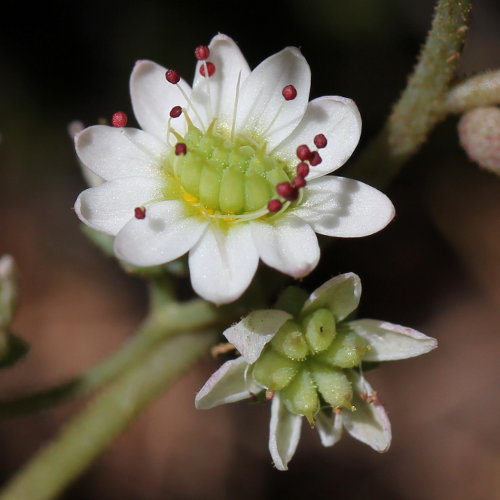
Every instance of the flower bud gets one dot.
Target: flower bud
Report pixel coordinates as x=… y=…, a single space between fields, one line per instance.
x=479 y=133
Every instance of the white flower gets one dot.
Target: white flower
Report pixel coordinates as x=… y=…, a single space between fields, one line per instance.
x=201 y=176
x=311 y=368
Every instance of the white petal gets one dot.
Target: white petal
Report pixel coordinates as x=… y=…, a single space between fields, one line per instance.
x=165 y=234
x=153 y=98
x=284 y=433
x=329 y=428
x=254 y=331
x=262 y=108
x=340 y=294
x=216 y=95
x=227 y=385
x=223 y=263
x=110 y=206
x=288 y=245
x=338 y=119
x=389 y=341
x=336 y=206
x=369 y=423
x=112 y=152
x=92 y=180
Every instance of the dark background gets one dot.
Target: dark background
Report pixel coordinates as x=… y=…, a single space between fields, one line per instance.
x=435 y=268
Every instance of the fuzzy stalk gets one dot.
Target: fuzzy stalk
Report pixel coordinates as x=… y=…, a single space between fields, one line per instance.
x=420 y=107
x=90 y=432
x=162 y=323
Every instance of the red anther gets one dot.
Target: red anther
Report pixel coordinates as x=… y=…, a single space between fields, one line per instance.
x=289 y=92
x=299 y=182
x=180 y=149
x=201 y=52
x=210 y=68
x=303 y=152
x=140 y=212
x=302 y=169
x=175 y=112
x=274 y=205
x=320 y=141
x=289 y=192
x=119 y=119
x=315 y=158
x=172 y=76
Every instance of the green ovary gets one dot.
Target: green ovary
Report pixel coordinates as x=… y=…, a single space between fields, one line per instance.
x=306 y=362
x=229 y=176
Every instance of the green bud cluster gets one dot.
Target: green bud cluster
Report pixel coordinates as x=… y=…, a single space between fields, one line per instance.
x=305 y=362
x=232 y=176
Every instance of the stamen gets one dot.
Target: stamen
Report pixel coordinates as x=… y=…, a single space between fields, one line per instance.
x=172 y=76
x=119 y=119
x=269 y=395
x=202 y=52
x=302 y=169
x=180 y=149
x=303 y=152
x=369 y=398
x=315 y=158
x=274 y=205
x=320 y=141
x=207 y=67
x=140 y=212
x=175 y=112
x=299 y=182
x=235 y=107
x=289 y=92
x=288 y=191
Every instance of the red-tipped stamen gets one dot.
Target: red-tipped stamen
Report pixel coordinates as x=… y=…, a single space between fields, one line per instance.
x=175 y=112
x=302 y=169
x=202 y=52
x=140 y=212
x=299 y=182
x=274 y=205
x=119 y=119
x=303 y=152
x=320 y=141
x=315 y=158
x=289 y=92
x=289 y=192
x=210 y=68
x=180 y=149
x=172 y=76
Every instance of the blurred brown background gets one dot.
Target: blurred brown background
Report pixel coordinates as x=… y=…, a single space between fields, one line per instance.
x=436 y=268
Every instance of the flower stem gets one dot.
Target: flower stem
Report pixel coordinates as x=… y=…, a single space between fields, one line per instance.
x=163 y=322
x=479 y=91
x=89 y=433
x=419 y=108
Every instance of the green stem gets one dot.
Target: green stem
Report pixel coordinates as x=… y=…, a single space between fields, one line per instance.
x=478 y=91
x=173 y=318
x=420 y=107
x=89 y=433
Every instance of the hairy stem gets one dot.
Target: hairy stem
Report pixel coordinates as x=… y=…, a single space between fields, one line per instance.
x=89 y=433
x=163 y=322
x=478 y=91
x=419 y=108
